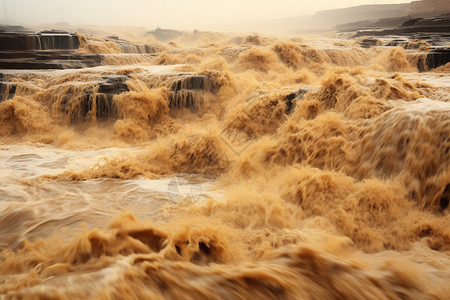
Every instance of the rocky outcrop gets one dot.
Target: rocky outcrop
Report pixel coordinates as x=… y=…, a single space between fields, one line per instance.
x=367 y=43
x=430 y=34
x=49 y=49
x=371 y=24
x=96 y=101
x=437 y=58
x=7 y=89
x=445 y=198
x=48 y=60
x=56 y=49
x=55 y=39
x=411 y=26
x=24 y=50
x=101 y=101
x=430 y=60
x=44 y=40
x=186 y=91
x=165 y=35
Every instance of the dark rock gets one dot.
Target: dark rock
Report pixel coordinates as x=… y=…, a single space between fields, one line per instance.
x=15 y=64
x=367 y=43
x=412 y=22
x=102 y=100
x=437 y=58
x=44 y=40
x=50 y=40
x=7 y=90
x=184 y=99
x=433 y=59
x=187 y=90
x=439 y=24
x=292 y=99
x=95 y=102
x=397 y=42
x=102 y=104
x=113 y=84
x=13 y=28
x=63 y=59
x=48 y=49
x=15 y=42
x=192 y=82
x=371 y=24
x=445 y=198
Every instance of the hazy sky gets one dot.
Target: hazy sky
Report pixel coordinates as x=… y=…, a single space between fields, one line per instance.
x=180 y=14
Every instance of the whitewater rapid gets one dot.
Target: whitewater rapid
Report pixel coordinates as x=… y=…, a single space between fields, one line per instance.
x=230 y=168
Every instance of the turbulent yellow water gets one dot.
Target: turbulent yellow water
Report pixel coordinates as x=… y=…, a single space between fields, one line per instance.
x=345 y=197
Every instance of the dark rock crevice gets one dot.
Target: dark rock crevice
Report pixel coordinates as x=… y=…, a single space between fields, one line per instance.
x=292 y=98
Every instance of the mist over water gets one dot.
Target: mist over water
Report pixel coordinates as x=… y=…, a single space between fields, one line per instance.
x=228 y=167
x=184 y=15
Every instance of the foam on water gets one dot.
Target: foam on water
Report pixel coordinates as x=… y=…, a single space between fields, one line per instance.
x=235 y=168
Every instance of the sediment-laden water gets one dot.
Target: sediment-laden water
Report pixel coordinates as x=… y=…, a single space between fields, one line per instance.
x=227 y=168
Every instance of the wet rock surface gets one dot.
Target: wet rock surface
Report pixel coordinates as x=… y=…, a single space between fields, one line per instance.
x=430 y=34
x=367 y=43
x=435 y=30
x=101 y=102
x=186 y=91
x=7 y=90
x=444 y=201
x=55 y=49
x=399 y=26
x=437 y=58
x=48 y=49
x=22 y=49
x=21 y=40
x=48 y=60
x=292 y=98
x=432 y=59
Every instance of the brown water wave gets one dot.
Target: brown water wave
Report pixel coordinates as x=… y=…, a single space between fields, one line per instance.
x=134 y=260
x=332 y=171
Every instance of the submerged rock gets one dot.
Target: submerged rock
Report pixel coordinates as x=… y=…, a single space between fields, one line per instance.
x=48 y=49
x=99 y=104
x=367 y=43
x=7 y=89
x=186 y=91
x=292 y=99
x=93 y=98
x=433 y=59
x=48 y=60
x=445 y=197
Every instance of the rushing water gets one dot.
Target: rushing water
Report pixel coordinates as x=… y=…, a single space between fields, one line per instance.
x=340 y=193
